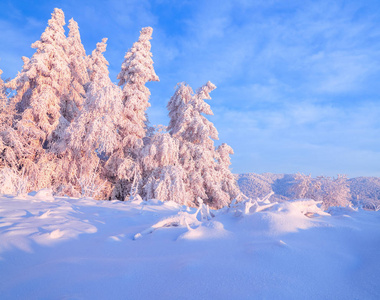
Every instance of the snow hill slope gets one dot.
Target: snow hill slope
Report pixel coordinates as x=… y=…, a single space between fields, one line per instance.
x=64 y=248
x=258 y=185
x=364 y=191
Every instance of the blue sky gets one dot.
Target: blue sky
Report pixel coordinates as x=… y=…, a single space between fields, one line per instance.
x=298 y=81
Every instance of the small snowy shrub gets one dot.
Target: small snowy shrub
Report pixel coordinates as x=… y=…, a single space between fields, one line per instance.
x=334 y=191
x=331 y=191
x=12 y=182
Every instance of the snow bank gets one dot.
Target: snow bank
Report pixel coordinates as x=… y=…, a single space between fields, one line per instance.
x=87 y=249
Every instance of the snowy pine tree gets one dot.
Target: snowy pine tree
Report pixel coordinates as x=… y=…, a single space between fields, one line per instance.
x=227 y=179
x=207 y=171
x=93 y=136
x=3 y=97
x=78 y=63
x=42 y=85
x=136 y=70
x=96 y=127
x=6 y=120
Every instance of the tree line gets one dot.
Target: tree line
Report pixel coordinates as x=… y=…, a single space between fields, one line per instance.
x=65 y=125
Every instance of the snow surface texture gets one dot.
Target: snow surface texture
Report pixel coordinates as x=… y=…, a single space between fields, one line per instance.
x=65 y=248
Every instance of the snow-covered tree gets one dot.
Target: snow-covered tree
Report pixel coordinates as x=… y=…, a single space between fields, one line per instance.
x=41 y=99
x=180 y=110
x=305 y=187
x=136 y=70
x=207 y=171
x=93 y=135
x=334 y=191
x=68 y=127
x=163 y=177
x=43 y=84
x=228 y=180
x=21 y=155
x=96 y=127
x=3 y=97
x=8 y=137
x=6 y=107
x=78 y=63
x=6 y=119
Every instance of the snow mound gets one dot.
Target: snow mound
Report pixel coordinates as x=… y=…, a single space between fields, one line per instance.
x=279 y=218
x=206 y=230
x=182 y=219
x=45 y=194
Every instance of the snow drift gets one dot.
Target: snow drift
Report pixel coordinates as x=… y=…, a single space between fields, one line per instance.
x=69 y=248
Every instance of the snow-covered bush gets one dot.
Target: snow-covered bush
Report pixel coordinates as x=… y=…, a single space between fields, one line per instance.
x=12 y=182
x=334 y=191
x=305 y=187
x=331 y=191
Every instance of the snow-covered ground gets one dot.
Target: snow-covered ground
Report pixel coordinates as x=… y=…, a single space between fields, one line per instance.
x=64 y=248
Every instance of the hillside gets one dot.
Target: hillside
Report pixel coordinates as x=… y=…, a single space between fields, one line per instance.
x=364 y=190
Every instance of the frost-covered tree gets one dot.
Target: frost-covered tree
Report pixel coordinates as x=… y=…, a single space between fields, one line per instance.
x=96 y=127
x=93 y=135
x=228 y=180
x=10 y=149
x=6 y=107
x=68 y=127
x=42 y=86
x=3 y=97
x=8 y=158
x=163 y=177
x=180 y=110
x=305 y=187
x=41 y=99
x=136 y=70
x=78 y=63
x=20 y=154
x=207 y=170
x=334 y=191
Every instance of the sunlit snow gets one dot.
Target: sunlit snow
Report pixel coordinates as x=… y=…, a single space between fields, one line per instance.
x=66 y=248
